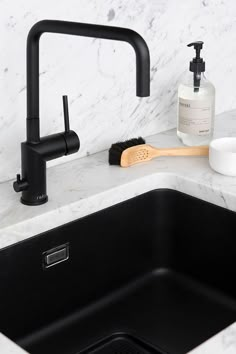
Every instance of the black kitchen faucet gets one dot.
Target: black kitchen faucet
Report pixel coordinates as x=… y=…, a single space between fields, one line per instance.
x=36 y=150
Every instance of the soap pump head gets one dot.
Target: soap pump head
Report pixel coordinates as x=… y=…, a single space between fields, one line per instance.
x=197 y=65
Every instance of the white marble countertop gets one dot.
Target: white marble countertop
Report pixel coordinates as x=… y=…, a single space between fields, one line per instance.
x=89 y=184
x=84 y=186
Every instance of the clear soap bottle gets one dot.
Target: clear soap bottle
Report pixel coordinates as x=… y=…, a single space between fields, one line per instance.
x=196 y=104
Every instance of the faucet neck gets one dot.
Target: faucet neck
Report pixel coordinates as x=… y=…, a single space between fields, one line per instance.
x=85 y=30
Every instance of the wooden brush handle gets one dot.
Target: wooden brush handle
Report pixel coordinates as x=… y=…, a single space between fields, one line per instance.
x=184 y=151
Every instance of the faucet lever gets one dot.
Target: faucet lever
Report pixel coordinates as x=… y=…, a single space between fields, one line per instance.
x=66 y=113
x=71 y=138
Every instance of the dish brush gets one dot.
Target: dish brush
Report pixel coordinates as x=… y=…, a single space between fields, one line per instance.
x=133 y=151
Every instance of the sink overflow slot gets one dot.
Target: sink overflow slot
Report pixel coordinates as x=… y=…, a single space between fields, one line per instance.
x=55 y=255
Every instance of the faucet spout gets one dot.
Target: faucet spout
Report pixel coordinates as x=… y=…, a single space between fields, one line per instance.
x=85 y=30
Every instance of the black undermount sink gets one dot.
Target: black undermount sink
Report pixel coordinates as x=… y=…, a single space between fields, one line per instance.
x=154 y=274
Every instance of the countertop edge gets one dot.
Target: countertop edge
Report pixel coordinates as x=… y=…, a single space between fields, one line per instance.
x=104 y=199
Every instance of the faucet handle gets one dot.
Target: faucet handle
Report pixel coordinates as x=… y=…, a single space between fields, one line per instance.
x=66 y=113
x=71 y=138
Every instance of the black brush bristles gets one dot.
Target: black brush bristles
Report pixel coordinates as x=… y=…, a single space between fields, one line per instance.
x=116 y=150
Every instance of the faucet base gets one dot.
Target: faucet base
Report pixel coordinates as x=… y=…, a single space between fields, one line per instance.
x=38 y=202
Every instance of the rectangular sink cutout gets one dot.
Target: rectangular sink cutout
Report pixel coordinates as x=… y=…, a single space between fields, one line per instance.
x=55 y=255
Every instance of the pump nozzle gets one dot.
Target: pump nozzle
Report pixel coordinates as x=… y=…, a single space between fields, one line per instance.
x=197 y=46
x=197 y=65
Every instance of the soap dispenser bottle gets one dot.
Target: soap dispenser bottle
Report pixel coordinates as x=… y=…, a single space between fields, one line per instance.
x=196 y=104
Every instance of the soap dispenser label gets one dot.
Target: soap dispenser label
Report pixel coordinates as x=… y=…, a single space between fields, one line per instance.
x=195 y=116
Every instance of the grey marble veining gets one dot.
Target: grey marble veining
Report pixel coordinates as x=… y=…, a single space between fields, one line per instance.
x=99 y=76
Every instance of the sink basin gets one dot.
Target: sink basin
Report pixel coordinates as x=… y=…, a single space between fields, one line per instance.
x=154 y=274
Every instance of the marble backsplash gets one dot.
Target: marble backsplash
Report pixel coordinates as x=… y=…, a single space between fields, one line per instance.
x=99 y=75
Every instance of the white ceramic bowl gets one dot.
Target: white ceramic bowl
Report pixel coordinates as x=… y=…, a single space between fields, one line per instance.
x=222 y=156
